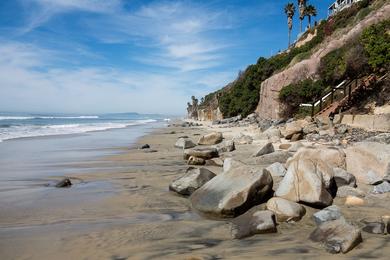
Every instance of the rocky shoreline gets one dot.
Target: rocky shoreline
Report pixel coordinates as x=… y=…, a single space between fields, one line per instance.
x=276 y=172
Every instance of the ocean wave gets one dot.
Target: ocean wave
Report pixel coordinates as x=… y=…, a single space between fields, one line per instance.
x=46 y=117
x=24 y=131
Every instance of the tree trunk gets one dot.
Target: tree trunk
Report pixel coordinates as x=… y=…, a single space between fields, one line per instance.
x=309 y=21
x=289 y=38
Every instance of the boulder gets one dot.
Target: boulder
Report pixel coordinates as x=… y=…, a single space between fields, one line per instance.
x=368 y=161
x=225 y=146
x=345 y=191
x=294 y=127
x=253 y=222
x=264 y=148
x=184 y=143
x=334 y=157
x=343 y=178
x=337 y=236
x=384 y=187
x=304 y=182
x=286 y=210
x=193 y=179
x=243 y=139
x=327 y=214
x=267 y=159
x=296 y=137
x=210 y=139
x=354 y=201
x=204 y=153
x=64 y=183
x=374 y=227
x=233 y=192
x=270 y=133
x=276 y=169
x=196 y=161
x=310 y=129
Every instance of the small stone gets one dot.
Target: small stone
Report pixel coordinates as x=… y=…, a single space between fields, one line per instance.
x=145 y=146
x=64 y=183
x=374 y=227
x=327 y=214
x=284 y=146
x=196 y=161
x=296 y=137
x=184 y=143
x=354 y=201
x=286 y=210
x=342 y=129
x=343 y=178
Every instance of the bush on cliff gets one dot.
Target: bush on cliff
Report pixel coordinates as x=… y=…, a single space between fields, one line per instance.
x=376 y=42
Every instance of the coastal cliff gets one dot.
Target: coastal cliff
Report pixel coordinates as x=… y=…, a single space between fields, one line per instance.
x=258 y=88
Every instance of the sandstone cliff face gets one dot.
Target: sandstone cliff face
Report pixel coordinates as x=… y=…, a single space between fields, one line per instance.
x=209 y=114
x=269 y=106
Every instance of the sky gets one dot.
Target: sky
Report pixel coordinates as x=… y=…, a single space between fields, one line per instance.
x=111 y=56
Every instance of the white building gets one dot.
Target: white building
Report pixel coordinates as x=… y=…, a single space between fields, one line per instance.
x=339 y=5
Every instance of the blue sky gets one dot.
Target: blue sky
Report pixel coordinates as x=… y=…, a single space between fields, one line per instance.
x=100 y=56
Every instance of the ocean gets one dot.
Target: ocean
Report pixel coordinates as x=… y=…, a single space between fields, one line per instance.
x=13 y=126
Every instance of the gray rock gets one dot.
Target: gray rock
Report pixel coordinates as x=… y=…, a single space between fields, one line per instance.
x=286 y=210
x=296 y=137
x=327 y=214
x=270 y=133
x=204 y=153
x=218 y=162
x=230 y=163
x=196 y=161
x=384 y=187
x=64 y=183
x=343 y=178
x=145 y=146
x=337 y=236
x=345 y=191
x=310 y=129
x=342 y=129
x=231 y=193
x=383 y=138
x=193 y=179
x=243 y=139
x=276 y=169
x=253 y=222
x=374 y=227
x=304 y=182
x=210 y=139
x=265 y=148
x=184 y=143
x=225 y=146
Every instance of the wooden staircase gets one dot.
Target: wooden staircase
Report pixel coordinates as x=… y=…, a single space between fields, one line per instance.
x=343 y=96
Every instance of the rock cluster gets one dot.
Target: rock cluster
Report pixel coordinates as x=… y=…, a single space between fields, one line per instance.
x=284 y=178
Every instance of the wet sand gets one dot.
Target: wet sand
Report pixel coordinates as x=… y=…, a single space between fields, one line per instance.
x=132 y=215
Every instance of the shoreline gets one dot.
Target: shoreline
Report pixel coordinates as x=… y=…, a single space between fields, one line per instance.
x=141 y=219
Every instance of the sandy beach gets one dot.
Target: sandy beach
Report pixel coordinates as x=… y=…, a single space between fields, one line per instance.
x=131 y=214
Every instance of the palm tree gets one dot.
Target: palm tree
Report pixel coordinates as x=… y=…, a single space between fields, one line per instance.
x=302 y=7
x=310 y=11
x=289 y=9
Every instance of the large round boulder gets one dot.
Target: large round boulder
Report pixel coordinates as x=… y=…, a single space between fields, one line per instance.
x=233 y=192
x=210 y=139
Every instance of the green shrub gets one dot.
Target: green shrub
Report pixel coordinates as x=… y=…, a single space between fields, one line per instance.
x=306 y=91
x=376 y=42
x=333 y=66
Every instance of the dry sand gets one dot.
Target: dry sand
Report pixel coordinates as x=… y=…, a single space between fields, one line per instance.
x=136 y=217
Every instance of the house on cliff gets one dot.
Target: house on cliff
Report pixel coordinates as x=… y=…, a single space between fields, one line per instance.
x=339 y=5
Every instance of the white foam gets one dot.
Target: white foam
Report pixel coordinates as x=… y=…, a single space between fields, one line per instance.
x=15 y=132
x=46 y=117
